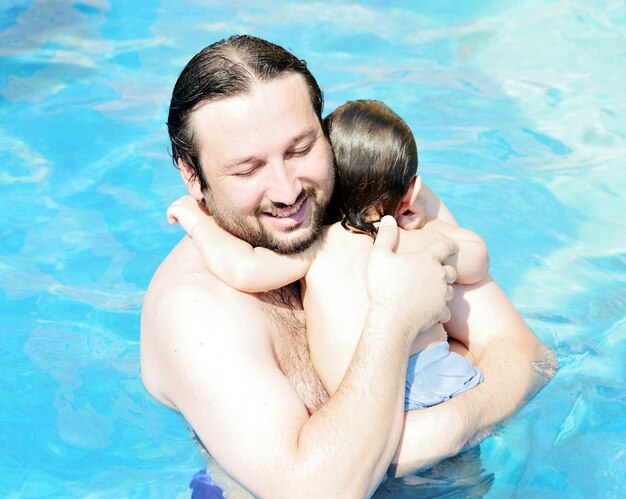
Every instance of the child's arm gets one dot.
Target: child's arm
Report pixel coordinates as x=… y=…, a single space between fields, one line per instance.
x=472 y=259
x=234 y=261
x=420 y=210
x=434 y=207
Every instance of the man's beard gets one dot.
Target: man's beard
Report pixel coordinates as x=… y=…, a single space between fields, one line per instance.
x=258 y=236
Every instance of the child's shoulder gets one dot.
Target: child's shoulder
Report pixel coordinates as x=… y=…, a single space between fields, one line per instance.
x=336 y=235
x=414 y=240
x=341 y=258
x=337 y=245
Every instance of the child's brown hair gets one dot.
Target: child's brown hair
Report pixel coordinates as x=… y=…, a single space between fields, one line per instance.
x=375 y=160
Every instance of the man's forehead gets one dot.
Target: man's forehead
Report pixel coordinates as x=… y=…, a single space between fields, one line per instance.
x=290 y=80
x=271 y=113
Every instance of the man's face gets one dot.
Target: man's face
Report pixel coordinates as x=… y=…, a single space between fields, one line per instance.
x=267 y=163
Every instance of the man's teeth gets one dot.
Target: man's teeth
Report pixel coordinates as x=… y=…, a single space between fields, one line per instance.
x=285 y=214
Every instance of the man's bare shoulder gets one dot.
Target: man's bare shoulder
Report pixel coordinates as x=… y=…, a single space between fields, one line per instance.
x=183 y=270
x=185 y=306
x=182 y=282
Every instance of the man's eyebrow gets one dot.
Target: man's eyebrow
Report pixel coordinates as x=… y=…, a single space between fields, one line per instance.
x=237 y=162
x=309 y=133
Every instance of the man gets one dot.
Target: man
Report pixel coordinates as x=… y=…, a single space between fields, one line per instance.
x=245 y=125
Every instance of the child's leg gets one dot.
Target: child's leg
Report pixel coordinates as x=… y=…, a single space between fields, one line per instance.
x=459 y=348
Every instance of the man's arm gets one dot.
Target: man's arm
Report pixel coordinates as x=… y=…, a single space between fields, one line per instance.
x=220 y=371
x=507 y=351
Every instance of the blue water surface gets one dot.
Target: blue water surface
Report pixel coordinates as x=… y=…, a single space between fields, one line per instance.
x=519 y=112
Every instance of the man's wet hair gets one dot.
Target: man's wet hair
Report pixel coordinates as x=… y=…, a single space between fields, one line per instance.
x=375 y=160
x=227 y=68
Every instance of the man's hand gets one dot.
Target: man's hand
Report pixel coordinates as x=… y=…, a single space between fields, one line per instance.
x=415 y=285
x=187 y=212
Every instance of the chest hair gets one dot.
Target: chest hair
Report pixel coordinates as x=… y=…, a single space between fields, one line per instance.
x=291 y=349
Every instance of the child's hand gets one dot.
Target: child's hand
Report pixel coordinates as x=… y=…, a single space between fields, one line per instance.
x=187 y=212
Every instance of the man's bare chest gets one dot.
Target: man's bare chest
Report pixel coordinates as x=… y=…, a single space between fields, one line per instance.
x=291 y=350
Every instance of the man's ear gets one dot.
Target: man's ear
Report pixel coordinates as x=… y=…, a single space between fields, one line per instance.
x=190 y=179
x=411 y=213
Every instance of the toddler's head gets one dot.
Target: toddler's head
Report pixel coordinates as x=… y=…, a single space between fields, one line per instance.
x=376 y=160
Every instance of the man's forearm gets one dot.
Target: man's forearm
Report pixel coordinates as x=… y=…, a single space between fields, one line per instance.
x=515 y=366
x=428 y=436
x=354 y=432
x=511 y=378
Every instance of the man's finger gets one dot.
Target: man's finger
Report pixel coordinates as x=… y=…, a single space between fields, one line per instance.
x=445 y=316
x=387 y=237
x=451 y=274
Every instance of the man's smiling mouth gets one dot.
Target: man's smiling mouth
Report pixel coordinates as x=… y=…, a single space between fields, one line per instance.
x=289 y=210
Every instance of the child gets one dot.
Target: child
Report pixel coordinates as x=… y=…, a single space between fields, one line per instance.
x=376 y=161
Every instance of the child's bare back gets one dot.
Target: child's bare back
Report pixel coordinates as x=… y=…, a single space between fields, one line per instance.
x=336 y=301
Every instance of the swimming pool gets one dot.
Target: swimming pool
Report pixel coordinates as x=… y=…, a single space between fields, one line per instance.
x=518 y=109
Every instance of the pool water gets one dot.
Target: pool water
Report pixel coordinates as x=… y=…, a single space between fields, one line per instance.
x=519 y=112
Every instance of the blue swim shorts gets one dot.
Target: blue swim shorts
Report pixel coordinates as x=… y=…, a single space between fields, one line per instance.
x=437 y=374
x=203 y=488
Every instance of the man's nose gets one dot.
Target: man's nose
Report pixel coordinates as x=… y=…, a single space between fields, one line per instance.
x=284 y=186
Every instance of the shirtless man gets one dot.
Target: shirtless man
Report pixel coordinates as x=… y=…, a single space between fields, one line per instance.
x=245 y=125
